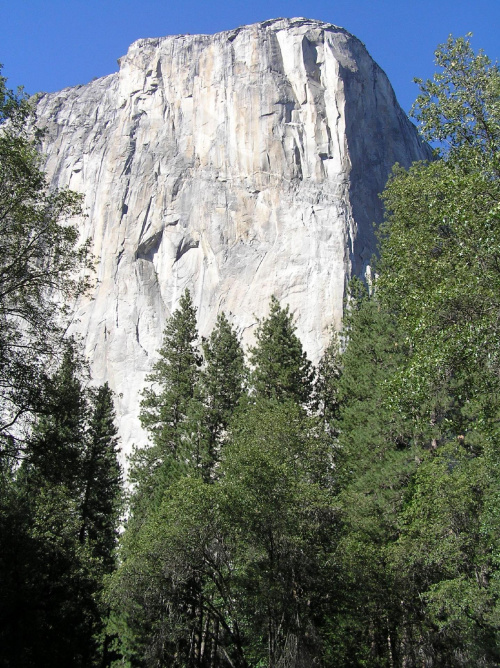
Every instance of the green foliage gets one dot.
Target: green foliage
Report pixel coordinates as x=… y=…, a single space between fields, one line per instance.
x=440 y=244
x=280 y=368
x=167 y=407
x=419 y=398
x=221 y=385
x=442 y=560
x=165 y=404
x=373 y=462
x=235 y=572
x=187 y=412
x=187 y=408
x=47 y=583
x=39 y=258
x=56 y=445
x=163 y=606
x=326 y=388
x=460 y=106
x=439 y=271
x=418 y=417
x=276 y=480
x=375 y=351
x=102 y=479
x=59 y=476
x=58 y=527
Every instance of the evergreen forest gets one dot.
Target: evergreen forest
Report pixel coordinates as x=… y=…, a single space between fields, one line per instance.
x=282 y=515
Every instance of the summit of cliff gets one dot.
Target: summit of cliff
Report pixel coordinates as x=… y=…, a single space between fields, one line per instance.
x=280 y=23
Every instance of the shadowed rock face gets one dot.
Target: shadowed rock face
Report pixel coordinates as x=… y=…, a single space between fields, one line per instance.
x=240 y=165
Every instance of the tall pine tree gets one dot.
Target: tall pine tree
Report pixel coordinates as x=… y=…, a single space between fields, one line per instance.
x=221 y=384
x=373 y=462
x=280 y=368
x=101 y=475
x=165 y=403
x=326 y=388
x=59 y=514
x=56 y=447
x=167 y=406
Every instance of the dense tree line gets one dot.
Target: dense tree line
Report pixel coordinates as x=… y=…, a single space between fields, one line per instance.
x=284 y=515
x=226 y=558
x=60 y=481
x=346 y=515
x=419 y=401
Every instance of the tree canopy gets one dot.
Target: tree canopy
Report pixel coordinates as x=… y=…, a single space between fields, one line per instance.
x=60 y=481
x=41 y=262
x=280 y=368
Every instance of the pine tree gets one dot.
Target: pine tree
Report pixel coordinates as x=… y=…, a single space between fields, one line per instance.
x=59 y=579
x=280 y=368
x=326 y=388
x=56 y=447
x=171 y=621
x=221 y=384
x=102 y=479
x=165 y=404
x=101 y=504
x=169 y=412
x=373 y=462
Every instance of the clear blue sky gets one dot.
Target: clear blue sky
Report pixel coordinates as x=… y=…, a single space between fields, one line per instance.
x=47 y=45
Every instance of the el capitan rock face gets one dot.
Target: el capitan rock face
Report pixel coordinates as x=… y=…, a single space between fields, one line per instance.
x=241 y=165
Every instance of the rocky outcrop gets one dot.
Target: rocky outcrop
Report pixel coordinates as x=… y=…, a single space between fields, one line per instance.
x=241 y=165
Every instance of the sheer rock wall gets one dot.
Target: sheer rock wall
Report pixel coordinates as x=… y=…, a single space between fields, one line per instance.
x=241 y=165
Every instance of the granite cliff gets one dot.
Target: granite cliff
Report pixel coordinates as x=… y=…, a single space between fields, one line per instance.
x=241 y=165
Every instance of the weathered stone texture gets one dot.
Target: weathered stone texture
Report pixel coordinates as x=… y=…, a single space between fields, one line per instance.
x=241 y=165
